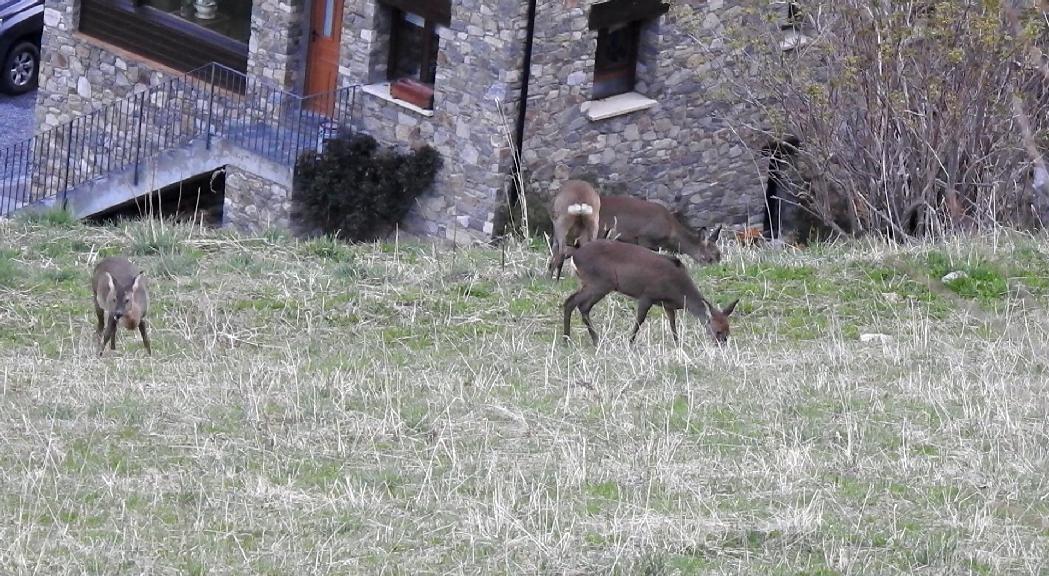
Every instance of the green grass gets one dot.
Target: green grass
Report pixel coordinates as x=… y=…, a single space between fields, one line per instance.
x=314 y=407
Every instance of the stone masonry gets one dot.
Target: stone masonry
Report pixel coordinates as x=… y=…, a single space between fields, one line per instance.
x=479 y=69
x=254 y=203
x=684 y=149
x=277 y=48
x=78 y=74
x=681 y=152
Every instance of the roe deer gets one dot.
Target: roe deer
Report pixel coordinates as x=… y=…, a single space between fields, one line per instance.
x=120 y=298
x=652 y=279
x=575 y=214
x=651 y=225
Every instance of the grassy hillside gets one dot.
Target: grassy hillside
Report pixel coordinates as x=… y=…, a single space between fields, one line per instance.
x=319 y=408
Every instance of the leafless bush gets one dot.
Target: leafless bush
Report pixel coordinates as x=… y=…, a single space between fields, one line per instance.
x=911 y=114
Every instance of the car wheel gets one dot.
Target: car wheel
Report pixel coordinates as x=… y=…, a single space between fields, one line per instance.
x=21 y=69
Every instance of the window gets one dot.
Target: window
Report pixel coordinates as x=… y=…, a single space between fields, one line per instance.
x=412 y=61
x=183 y=34
x=413 y=48
x=619 y=25
x=615 y=65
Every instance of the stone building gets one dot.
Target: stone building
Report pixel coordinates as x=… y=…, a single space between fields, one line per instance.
x=623 y=89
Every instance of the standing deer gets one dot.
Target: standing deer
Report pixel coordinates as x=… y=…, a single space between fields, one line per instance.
x=120 y=298
x=605 y=266
x=651 y=225
x=575 y=215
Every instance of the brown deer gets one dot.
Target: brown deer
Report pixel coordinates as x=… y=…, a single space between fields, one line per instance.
x=605 y=266
x=651 y=225
x=121 y=299
x=575 y=214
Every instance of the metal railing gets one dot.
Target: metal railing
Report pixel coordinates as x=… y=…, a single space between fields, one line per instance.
x=207 y=103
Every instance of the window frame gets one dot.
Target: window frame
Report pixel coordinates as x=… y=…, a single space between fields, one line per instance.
x=428 y=58
x=612 y=14
x=607 y=78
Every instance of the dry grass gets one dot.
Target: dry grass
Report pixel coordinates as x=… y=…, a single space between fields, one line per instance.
x=317 y=408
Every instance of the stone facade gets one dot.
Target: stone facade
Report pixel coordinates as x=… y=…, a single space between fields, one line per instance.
x=682 y=149
x=277 y=49
x=78 y=74
x=478 y=70
x=254 y=203
x=681 y=152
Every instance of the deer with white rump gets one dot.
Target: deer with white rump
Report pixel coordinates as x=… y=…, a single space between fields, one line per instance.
x=605 y=266
x=120 y=296
x=575 y=213
x=651 y=225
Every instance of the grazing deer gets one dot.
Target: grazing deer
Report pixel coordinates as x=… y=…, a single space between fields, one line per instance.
x=651 y=225
x=120 y=298
x=652 y=279
x=575 y=215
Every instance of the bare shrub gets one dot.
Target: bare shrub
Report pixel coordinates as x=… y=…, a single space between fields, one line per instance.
x=910 y=114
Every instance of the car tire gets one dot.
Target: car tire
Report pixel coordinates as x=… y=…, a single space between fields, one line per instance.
x=21 y=69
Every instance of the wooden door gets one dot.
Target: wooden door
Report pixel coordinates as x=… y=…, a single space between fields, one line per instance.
x=322 y=65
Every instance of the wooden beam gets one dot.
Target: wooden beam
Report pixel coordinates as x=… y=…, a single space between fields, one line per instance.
x=614 y=12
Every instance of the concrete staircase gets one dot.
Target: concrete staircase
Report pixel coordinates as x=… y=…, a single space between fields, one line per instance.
x=207 y=119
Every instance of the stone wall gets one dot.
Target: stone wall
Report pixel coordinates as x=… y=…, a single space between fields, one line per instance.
x=78 y=74
x=682 y=152
x=478 y=66
x=277 y=49
x=253 y=203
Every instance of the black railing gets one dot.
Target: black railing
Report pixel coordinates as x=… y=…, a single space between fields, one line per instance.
x=212 y=102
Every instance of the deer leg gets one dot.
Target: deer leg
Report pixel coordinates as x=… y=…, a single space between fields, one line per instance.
x=642 y=311
x=101 y=321
x=145 y=337
x=108 y=336
x=561 y=257
x=557 y=248
x=584 y=312
x=672 y=315
x=570 y=304
x=551 y=265
x=594 y=227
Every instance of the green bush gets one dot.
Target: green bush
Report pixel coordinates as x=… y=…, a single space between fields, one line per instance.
x=358 y=190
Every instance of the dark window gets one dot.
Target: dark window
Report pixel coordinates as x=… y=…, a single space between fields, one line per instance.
x=615 y=65
x=413 y=48
x=182 y=34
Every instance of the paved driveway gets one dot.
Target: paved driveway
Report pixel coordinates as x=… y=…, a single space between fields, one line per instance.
x=16 y=125
x=16 y=118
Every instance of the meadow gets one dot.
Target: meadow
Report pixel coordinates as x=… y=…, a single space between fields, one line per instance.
x=312 y=407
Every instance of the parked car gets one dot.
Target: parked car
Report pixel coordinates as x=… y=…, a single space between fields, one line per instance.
x=21 y=26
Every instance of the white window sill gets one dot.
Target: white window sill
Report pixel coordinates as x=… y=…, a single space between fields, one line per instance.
x=382 y=91
x=617 y=106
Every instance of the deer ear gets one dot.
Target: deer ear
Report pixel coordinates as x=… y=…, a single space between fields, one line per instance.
x=137 y=283
x=109 y=283
x=708 y=307
x=715 y=234
x=728 y=309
